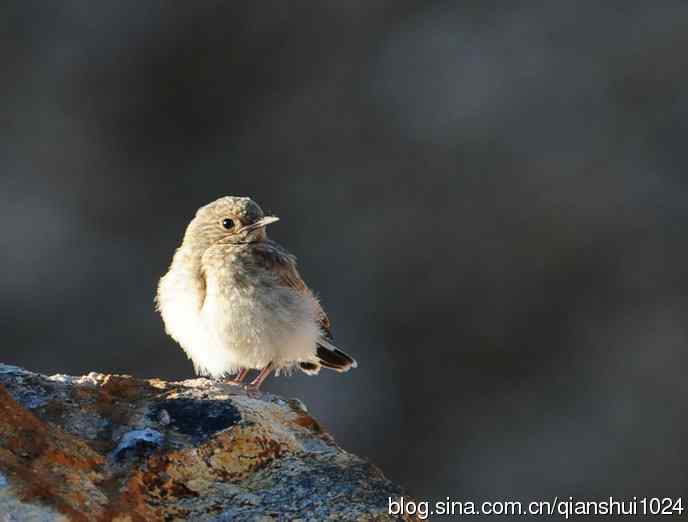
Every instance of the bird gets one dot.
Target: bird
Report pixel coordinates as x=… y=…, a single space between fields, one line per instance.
x=234 y=300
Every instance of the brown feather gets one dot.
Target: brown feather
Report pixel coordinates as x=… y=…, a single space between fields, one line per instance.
x=274 y=258
x=282 y=262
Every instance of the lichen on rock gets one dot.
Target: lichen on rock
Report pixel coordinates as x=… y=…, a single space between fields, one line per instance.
x=112 y=447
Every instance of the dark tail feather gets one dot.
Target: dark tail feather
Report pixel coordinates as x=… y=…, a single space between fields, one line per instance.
x=310 y=368
x=335 y=359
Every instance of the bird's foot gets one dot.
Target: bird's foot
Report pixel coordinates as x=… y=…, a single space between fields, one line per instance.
x=237 y=381
x=253 y=388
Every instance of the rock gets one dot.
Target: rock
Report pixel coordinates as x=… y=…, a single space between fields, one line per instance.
x=112 y=447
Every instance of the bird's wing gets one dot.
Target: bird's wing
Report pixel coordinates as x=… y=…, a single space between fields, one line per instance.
x=275 y=258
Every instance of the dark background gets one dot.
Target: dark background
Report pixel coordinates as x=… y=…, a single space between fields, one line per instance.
x=490 y=201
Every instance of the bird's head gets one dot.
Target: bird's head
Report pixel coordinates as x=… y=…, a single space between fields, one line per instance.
x=228 y=220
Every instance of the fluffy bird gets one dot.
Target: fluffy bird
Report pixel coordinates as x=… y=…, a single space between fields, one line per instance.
x=234 y=300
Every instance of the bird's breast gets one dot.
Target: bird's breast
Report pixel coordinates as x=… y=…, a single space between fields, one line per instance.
x=259 y=320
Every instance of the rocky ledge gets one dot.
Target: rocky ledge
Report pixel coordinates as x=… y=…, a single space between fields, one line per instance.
x=112 y=447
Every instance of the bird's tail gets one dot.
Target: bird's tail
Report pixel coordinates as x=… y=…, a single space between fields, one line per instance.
x=329 y=356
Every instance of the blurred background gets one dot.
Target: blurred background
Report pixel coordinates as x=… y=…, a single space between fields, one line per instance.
x=488 y=199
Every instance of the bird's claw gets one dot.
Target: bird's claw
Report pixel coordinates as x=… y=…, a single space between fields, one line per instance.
x=252 y=391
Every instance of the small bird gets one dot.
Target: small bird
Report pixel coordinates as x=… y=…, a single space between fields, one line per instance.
x=234 y=300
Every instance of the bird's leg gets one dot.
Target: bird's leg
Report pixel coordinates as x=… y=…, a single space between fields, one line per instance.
x=255 y=384
x=239 y=377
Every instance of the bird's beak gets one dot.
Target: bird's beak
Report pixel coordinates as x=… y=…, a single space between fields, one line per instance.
x=260 y=223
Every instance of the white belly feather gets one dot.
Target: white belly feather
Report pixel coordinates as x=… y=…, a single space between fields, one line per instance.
x=240 y=327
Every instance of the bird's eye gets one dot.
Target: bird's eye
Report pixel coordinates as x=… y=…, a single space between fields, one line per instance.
x=228 y=223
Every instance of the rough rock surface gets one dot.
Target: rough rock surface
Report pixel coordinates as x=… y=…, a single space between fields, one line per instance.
x=112 y=447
